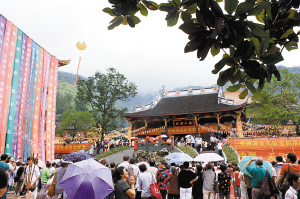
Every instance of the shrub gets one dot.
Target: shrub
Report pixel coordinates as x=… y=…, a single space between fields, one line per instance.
x=230 y=154
x=111 y=151
x=188 y=150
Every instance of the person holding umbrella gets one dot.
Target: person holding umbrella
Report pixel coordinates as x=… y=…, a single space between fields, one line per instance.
x=124 y=190
x=257 y=174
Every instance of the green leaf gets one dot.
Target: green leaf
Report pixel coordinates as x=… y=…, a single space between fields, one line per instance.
x=220 y=64
x=265 y=43
x=250 y=86
x=124 y=22
x=174 y=20
x=242 y=48
x=192 y=28
x=171 y=14
x=186 y=17
x=244 y=7
x=143 y=10
x=287 y=33
x=115 y=22
x=167 y=7
x=256 y=29
x=250 y=64
x=258 y=9
x=260 y=18
x=177 y=3
x=215 y=49
x=219 y=24
x=131 y=23
x=292 y=13
x=230 y=6
x=292 y=45
x=224 y=76
x=257 y=45
x=234 y=88
x=151 y=5
x=135 y=19
x=261 y=84
x=219 y=1
x=272 y=59
x=244 y=94
x=108 y=11
x=216 y=9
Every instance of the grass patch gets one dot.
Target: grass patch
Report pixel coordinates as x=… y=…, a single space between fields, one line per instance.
x=230 y=154
x=111 y=151
x=188 y=150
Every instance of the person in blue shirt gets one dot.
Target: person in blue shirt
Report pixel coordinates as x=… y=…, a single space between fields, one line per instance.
x=257 y=174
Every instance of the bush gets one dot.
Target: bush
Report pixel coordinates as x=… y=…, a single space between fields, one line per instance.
x=230 y=154
x=111 y=151
x=188 y=150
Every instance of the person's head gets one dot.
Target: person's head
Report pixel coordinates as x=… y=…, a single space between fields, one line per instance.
x=294 y=180
x=259 y=161
x=4 y=157
x=3 y=182
x=23 y=164
x=126 y=158
x=279 y=158
x=186 y=165
x=77 y=160
x=143 y=167
x=223 y=167
x=273 y=163
x=112 y=165
x=162 y=164
x=103 y=162
x=54 y=164
x=199 y=168
x=152 y=162
x=10 y=159
x=291 y=158
x=121 y=173
x=48 y=164
x=173 y=170
x=209 y=166
x=173 y=164
x=30 y=160
x=18 y=164
x=132 y=161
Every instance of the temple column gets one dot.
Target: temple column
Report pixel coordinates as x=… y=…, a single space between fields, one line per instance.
x=129 y=131
x=218 y=118
x=239 y=125
x=166 y=125
x=146 y=126
x=196 y=124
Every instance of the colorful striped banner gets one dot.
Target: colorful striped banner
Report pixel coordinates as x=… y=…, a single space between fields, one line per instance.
x=10 y=68
x=19 y=94
x=3 y=76
x=2 y=31
x=37 y=104
x=49 y=111
x=14 y=90
x=47 y=59
x=54 y=109
x=36 y=70
x=23 y=98
x=28 y=107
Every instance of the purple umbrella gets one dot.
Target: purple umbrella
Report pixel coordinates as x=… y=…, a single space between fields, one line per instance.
x=87 y=179
x=78 y=154
x=106 y=141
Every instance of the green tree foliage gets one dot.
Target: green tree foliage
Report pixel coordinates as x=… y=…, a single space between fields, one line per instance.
x=74 y=122
x=251 y=48
x=101 y=93
x=65 y=99
x=278 y=102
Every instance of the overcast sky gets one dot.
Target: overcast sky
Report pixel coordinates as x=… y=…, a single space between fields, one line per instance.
x=151 y=54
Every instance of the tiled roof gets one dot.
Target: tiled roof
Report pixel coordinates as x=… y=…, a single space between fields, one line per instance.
x=190 y=104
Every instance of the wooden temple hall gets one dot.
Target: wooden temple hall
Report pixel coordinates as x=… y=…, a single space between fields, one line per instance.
x=188 y=112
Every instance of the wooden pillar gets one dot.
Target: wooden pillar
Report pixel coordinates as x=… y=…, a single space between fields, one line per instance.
x=196 y=124
x=239 y=125
x=166 y=125
x=146 y=126
x=129 y=131
x=218 y=118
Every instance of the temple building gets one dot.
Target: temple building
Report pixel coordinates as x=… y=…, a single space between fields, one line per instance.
x=188 y=112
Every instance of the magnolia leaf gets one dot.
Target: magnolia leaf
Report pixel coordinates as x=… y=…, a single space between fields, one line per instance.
x=186 y=17
x=115 y=19
x=167 y=7
x=272 y=58
x=124 y=22
x=250 y=86
x=256 y=29
x=265 y=43
x=215 y=49
x=177 y=3
x=151 y=5
x=220 y=64
x=171 y=14
x=260 y=18
x=143 y=10
x=258 y=9
x=116 y=23
x=173 y=21
x=287 y=33
x=234 y=88
x=292 y=13
x=219 y=24
x=244 y=94
x=257 y=45
x=242 y=48
x=108 y=11
x=292 y=45
x=230 y=6
x=244 y=7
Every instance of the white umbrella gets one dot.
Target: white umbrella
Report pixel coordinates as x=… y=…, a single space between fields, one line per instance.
x=181 y=157
x=163 y=136
x=208 y=157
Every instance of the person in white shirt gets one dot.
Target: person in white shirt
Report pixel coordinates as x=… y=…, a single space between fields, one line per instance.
x=274 y=175
x=193 y=141
x=152 y=169
x=32 y=174
x=220 y=146
x=188 y=141
x=294 y=181
x=125 y=164
x=198 y=141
